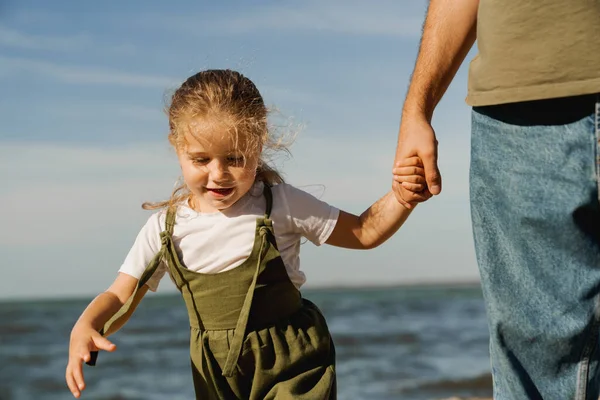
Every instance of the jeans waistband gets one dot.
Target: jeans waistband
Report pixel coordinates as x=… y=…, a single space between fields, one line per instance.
x=558 y=111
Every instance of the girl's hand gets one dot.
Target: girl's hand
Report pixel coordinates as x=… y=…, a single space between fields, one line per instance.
x=410 y=173
x=84 y=339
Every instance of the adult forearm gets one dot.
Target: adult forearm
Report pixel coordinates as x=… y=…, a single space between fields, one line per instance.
x=448 y=34
x=380 y=221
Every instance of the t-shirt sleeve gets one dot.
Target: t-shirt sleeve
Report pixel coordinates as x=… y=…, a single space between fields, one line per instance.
x=145 y=247
x=312 y=218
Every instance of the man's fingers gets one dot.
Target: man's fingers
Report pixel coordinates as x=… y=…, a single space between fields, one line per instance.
x=413 y=161
x=432 y=173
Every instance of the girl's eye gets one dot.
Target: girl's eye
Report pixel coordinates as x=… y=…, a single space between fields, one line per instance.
x=200 y=161
x=235 y=160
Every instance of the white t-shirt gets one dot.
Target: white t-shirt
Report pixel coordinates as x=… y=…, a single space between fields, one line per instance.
x=216 y=242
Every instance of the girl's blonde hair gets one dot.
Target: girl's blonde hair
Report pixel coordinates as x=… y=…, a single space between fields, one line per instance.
x=231 y=99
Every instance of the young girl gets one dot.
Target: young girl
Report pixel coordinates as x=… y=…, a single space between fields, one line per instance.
x=230 y=239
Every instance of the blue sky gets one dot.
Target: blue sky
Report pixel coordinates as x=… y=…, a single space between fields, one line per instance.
x=83 y=136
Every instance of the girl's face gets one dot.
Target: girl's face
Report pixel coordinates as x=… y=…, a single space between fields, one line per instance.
x=214 y=169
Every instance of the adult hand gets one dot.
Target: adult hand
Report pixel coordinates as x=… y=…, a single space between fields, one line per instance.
x=417 y=138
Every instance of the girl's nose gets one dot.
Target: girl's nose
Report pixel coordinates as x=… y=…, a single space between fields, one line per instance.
x=218 y=169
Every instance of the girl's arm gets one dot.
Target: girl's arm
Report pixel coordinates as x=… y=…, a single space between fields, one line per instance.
x=85 y=336
x=374 y=226
x=380 y=221
x=118 y=324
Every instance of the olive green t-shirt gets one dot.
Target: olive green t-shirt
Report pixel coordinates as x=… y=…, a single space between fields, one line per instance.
x=535 y=49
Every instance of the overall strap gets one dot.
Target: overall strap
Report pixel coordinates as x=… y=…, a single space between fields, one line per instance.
x=170 y=220
x=269 y=198
x=148 y=272
x=165 y=241
x=239 y=334
x=173 y=263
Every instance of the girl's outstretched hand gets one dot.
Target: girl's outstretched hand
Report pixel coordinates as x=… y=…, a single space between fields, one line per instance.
x=410 y=173
x=83 y=341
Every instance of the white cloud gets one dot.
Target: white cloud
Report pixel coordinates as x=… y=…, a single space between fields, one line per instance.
x=28 y=164
x=85 y=202
x=13 y=38
x=356 y=170
x=79 y=42
x=69 y=206
x=345 y=17
x=434 y=245
x=278 y=95
x=90 y=111
x=50 y=183
x=325 y=17
x=49 y=190
x=83 y=75
x=37 y=16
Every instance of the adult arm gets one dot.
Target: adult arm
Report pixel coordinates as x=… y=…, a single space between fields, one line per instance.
x=448 y=34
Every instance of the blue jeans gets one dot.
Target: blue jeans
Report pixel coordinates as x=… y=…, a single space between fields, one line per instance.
x=535 y=210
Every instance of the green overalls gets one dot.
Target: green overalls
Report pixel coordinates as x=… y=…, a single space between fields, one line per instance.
x=252 y=334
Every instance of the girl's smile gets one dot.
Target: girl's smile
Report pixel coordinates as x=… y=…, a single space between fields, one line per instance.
x=220 y=192
x=214 y=168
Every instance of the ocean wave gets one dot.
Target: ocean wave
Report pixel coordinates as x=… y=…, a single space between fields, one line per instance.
x=481 y=382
